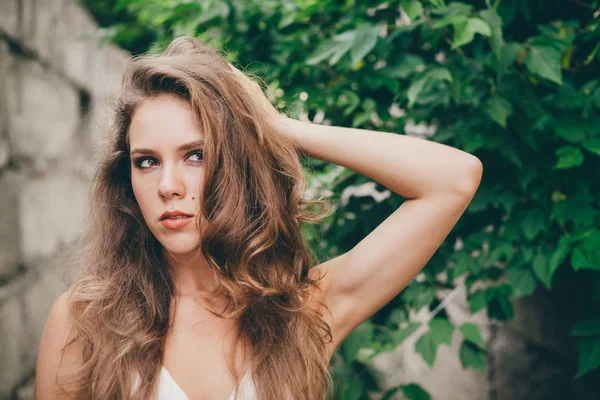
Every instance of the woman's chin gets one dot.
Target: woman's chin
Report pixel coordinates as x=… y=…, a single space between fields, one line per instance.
x=182 y=251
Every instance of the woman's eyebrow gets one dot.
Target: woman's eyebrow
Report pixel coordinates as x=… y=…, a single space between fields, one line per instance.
x=183 y=147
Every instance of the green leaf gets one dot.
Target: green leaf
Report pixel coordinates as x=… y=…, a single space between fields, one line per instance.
x=341 y=51
x=521 y=281
x=570 y=129
x=472 y=333
x=480 y=26
x=533 y=222
x=545 y=62
x=435 y=74
x=440 y=74
x=507 y=199
x=464 y=32
x=581 y=235
x=541 y=267
x=559 y=254
x=413 y=8
x=364 y=41
x=478 y=300
x=403 y=66
x=551 y=38
x=473 y=141
x=345 y=41
x=352 y=389
x=591 y=245
x=527 y=253
x=440 y=331
x=287 y=20
x=401 y=334
x=500 y=307
x=451 y=19
x=464 y=263
x=568 y=157
x=390 y=393
x=369 y=104
x=413 y=391
x=592 y=145
x=322 y=52
x=576 y=210
x=508 y=55
x=332 y=49
x=499 y=109
x=472 y=356
x=419 y=295
x=121 y=5
x=415 y=89
x=427 y=347
x=495 y=23
x=587 y=327
x=397 y=316
x=454 y=8
x=358 y=338
x=579 y=259
x=349 y=101
x=589 y=355
x=501 y=252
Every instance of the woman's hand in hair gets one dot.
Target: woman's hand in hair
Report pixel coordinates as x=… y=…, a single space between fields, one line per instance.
x=256 y=91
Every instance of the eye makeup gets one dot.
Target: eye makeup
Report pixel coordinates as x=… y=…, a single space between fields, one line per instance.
x=137 y=162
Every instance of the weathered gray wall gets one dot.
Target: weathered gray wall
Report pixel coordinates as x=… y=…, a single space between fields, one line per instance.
x=52 y=86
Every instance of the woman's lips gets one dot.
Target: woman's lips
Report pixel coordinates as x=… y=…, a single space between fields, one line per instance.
x=176 y=223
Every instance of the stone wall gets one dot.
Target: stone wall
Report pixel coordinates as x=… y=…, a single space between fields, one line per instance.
x=53 y=86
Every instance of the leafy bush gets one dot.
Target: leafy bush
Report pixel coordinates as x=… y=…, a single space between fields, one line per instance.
x=514 y=82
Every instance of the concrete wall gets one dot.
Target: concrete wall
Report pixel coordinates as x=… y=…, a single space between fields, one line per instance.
x=52 y=88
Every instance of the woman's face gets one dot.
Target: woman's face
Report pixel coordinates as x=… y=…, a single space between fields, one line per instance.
x=166 y=170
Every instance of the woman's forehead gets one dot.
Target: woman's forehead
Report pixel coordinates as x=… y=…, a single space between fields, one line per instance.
x=163 y=122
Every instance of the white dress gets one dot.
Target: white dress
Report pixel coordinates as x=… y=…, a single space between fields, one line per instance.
x=168 y=389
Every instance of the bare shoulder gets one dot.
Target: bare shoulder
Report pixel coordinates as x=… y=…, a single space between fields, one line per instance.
x=51 y=358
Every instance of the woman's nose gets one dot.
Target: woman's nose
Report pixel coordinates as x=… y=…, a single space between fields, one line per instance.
x=171 y=184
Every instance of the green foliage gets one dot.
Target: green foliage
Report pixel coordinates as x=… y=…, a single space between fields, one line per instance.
x=589 y=346
x=511 y=81
x=360 y=337
x=472 y=356
x=412 y=391
x=440 y=332
x=472 y=351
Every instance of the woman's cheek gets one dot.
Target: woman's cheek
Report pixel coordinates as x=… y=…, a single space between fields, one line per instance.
x=142 y=193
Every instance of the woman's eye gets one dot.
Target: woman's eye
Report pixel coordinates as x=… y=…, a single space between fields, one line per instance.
x=196 y=156
x=144 y=163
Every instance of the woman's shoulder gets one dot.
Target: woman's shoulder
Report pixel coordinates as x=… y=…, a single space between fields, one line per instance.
x=52 y=354
x=58 y=325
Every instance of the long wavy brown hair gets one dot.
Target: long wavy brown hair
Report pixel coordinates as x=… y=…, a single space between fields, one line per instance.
x=252 y=198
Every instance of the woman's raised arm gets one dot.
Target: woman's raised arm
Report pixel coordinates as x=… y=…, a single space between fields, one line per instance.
x=438 y=182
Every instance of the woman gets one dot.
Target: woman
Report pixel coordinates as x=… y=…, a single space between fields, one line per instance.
x=196 y=282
